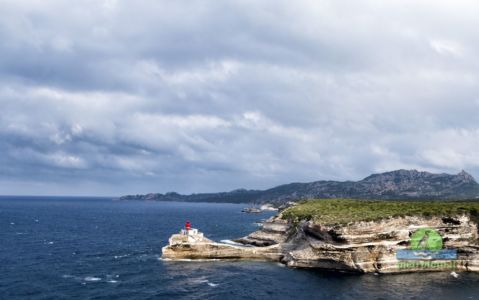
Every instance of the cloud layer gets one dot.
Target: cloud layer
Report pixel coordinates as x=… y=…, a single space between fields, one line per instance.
x=113 y=97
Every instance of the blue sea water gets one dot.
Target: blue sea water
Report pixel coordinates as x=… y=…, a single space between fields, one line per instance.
x=96 y=248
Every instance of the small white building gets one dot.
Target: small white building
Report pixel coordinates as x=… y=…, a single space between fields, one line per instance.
x=187 y=237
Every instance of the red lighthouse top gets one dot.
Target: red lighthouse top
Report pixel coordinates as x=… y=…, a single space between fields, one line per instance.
x=187 y=225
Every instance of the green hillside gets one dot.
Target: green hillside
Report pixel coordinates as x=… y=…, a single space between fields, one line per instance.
x=342 y=211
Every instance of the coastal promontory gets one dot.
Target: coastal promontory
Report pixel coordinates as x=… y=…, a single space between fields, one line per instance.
x=364 y=236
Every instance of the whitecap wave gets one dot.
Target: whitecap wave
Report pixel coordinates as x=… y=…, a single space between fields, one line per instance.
x=190 y=260
x=112 y=278
x=164 y=259
x=230 y=242
x=92 y=278
x=200 y=281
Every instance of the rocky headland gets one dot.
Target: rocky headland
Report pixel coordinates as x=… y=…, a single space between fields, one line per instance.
x=352 y=236
x=399 y=184
x=180 y=248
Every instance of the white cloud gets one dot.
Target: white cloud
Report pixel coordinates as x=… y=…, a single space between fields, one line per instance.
x=447 y=47
x=452 y=149
x=66 y=160
x=206 y=95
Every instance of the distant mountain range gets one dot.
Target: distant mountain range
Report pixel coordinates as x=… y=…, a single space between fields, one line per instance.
x=400 y=184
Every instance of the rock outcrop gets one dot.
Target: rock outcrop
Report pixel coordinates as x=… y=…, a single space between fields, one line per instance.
x=193 y=245
x=356 y=247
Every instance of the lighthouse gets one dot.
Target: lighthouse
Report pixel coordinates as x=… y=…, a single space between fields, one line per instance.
x=187 y=235
x=188 y=230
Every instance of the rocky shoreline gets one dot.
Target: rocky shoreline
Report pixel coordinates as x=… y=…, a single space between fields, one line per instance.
x=188 y=245
x=363 y=247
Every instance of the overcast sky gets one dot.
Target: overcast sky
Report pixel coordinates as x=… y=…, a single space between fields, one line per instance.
x=119 y=97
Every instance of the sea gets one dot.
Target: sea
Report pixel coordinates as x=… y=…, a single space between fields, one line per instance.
x=99 y=248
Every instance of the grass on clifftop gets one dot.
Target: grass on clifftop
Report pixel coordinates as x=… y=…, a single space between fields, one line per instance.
x=342 y=211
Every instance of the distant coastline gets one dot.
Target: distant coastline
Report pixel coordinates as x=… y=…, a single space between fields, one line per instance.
x=394 y=185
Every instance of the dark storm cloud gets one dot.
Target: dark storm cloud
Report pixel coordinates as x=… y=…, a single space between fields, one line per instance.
x=113 y=97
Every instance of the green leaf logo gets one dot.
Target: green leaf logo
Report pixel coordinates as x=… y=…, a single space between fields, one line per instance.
x=426 y=239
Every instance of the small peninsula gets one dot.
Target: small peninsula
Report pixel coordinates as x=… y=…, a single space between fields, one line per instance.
x=363 y=236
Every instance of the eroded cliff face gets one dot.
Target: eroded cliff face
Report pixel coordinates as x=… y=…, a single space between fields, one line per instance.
x=273 y=232
x=371 y=246
x=356 y=247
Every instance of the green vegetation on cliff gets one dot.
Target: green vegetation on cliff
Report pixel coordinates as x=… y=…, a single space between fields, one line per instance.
x=342 y=211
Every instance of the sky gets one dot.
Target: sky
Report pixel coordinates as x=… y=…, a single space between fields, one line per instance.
x=105 y=97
